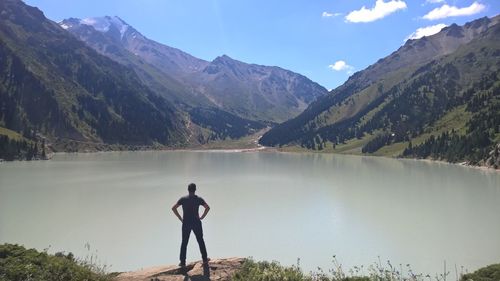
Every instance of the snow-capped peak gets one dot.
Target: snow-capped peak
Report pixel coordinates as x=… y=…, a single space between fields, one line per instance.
x=120 y=25
x=99 y=24
x=69 y=23
x=103 y=24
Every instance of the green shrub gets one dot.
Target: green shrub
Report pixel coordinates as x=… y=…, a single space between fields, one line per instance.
x=20 y=264
x=488 y=273
x=273 y=271
x=269 y=271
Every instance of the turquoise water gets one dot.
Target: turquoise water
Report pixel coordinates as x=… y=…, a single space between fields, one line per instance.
x=273 y=206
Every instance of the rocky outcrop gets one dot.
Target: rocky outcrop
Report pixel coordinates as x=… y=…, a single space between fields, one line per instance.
x=493 y=160
x=218 y=269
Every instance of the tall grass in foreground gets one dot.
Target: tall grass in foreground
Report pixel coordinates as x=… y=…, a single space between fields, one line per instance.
x=20 y=264
x=378 y=271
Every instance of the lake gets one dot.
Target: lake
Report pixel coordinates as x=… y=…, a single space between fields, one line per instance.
x=268 y=205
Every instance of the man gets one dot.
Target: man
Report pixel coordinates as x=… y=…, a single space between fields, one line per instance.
x=191 y=220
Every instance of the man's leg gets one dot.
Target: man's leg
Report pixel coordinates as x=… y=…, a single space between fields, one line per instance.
x=198 y=232
x=186 y=230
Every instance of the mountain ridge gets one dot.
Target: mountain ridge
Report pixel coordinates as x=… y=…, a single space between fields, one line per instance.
x=463 y=56
x=225 y=83
x=178 y=62
x=60 y=92
x=56 y=86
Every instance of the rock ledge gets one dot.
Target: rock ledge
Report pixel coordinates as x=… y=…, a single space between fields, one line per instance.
x=217 y=269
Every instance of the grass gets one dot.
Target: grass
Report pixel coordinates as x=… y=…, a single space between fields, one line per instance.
x=378 y=271
x=19 y=264
x=295 y=149
x=247 y=142
x=455 y=119
x=392 y=150
x=268 y=271
x=359 y=100
x=10 y=134
x=353 y=146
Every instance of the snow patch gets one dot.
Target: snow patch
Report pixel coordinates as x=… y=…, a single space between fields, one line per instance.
x=103 y=24
x=99 y=24
x=120 y=25
x=65 y=26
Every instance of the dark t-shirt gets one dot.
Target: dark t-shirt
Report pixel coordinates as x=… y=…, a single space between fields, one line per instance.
x=190 y=206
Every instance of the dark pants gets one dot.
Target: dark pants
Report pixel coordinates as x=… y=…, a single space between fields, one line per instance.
x=198 y=232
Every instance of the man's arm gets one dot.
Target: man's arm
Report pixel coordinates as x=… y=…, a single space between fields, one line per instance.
x=174 y=209
x=207 y=208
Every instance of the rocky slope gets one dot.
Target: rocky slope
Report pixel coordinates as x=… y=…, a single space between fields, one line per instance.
x=255 y=92
x=162 y=69
x=159 y=66
x=218 y=269
x=493 y=160
x=167 y=59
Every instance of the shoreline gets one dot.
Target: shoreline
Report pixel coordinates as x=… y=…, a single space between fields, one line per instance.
x=461 y=164
x=262 y=148
x=249 y=143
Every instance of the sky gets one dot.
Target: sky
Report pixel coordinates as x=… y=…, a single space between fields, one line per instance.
x=325 y=40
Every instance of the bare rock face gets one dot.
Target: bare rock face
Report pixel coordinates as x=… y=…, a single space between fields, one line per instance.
x=218 y=269
x=251 y=91
x=493 y=160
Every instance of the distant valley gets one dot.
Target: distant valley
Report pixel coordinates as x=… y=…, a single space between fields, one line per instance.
x=99 y=84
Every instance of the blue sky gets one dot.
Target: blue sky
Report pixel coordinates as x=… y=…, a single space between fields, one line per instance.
x=326 y=40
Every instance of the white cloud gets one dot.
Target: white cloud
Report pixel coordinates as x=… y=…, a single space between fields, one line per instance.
x=446 y=11
x=434 y=1
x=380 y=10
x=341 y=65
x=328 y=14
x=426 y=31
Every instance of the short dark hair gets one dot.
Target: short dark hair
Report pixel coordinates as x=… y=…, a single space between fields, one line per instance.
x=192 y=187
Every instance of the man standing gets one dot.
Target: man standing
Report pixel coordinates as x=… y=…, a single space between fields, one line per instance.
x=191 y=220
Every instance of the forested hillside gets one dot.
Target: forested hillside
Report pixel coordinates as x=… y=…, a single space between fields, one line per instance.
x=446 y=107
x=120 y=90
x=52 y=84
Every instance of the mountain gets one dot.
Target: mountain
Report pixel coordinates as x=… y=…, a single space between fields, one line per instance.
x=259 y=93
x=54 y=85
x=111 y=87
x=169 y=60
x=255 y=92
x=160 y=67
x=435 y=97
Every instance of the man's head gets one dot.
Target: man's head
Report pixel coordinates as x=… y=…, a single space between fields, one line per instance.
x=192 y=188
